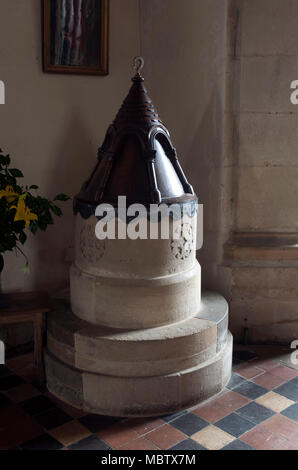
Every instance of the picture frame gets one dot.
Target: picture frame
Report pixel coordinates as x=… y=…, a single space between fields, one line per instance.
x=75 y=36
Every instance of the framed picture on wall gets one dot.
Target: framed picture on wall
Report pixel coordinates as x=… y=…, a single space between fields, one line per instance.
x=75 y=36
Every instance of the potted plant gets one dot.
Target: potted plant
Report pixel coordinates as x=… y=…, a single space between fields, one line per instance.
x=21 y=209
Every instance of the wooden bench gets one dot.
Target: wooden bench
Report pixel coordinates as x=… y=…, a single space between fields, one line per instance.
x=26 y=307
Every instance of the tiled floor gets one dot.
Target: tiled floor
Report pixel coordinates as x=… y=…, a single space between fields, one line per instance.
x=258 y=410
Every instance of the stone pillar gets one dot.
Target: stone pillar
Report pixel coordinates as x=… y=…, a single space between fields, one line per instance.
x=261 y=178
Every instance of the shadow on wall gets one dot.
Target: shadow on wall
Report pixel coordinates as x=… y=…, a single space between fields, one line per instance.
x=204 y=160
x=72 y=158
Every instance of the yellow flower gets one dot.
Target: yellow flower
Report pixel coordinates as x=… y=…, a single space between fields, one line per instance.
x=9 y=193
x=23 y=212
x=26 y=268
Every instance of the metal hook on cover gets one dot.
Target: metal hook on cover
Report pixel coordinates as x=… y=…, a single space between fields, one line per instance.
x=138 y=64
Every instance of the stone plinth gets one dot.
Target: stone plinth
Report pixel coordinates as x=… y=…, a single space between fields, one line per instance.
x=139 y=372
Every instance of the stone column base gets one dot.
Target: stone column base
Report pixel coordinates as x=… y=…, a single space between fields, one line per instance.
x=147 y=372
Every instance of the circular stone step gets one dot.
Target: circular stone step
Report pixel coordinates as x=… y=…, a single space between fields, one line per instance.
x=111 y=371
x=215 y=308
x=139 y=396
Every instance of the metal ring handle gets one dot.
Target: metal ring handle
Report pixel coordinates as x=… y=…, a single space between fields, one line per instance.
x=138 y=63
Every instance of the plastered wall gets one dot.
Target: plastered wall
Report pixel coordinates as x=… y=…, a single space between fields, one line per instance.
x=52 y=125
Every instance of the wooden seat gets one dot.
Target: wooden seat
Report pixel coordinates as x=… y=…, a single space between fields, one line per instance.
x=26 y=307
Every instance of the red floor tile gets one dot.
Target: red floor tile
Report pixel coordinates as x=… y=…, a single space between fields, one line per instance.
x=294 y=440
x=29 y=372
x=220 y=407
x=265 y=364
x=281 y=425
x=10 y=414
x=166 y=436
x=284 y=372
x=6 y=440
x=17 y=427
x=117 y=435
x=22 y=392
x=290 y=446
x=17 y=363
x=261 y=439
x=143 y=425
x=139 y=444
x=269 y=380
x=248 y=371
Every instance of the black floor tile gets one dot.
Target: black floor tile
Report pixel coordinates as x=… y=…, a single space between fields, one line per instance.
x=168 y=418
x=189 y=424
x=10 y=381
x=234 y=424
x=188 y=444
x=294 y=381
x=235 y=362
x=235 y=380
x=52 y=418
x=4 y=371
x=288 y=390
x=250 y=390
x=90 y=443
x=43 y=442
x=237 y=445
x=255 y=413
x=291 y=412
x=95 y=422
x=244 y=355
x=37 y=405
x=40 y=386
x=4 y=401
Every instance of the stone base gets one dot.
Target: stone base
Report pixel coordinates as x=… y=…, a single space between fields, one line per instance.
x=146 y=372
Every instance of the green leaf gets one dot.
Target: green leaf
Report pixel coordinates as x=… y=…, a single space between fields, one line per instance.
x=33 y=228
x=48 y=217
x=16 y=173
x=33 y=186
x=22 y=237
x=61 y=197
x=42 y=224
x=5 y=159
x=56 y=210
